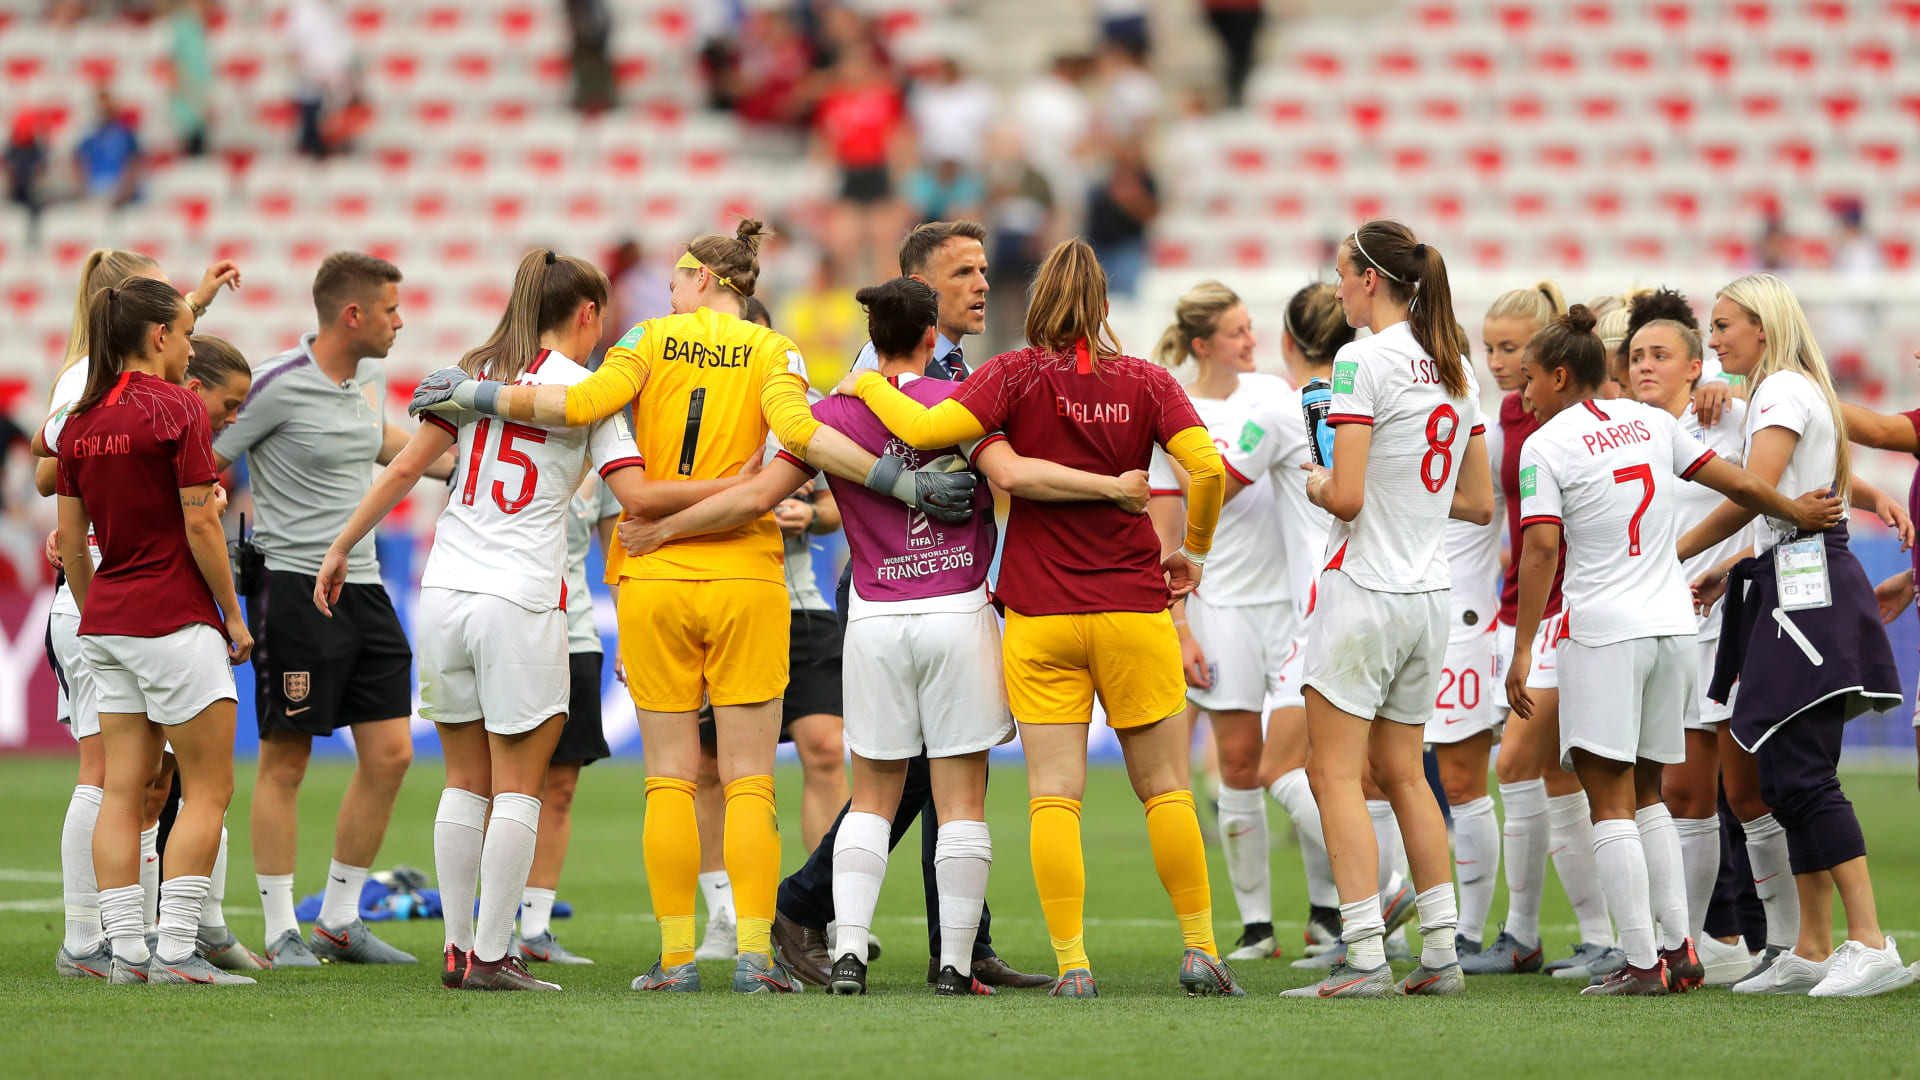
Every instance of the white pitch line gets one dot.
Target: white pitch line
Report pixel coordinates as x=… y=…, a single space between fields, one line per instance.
x=34 y=877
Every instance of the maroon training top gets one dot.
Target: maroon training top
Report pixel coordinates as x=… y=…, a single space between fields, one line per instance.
x=1516 y=423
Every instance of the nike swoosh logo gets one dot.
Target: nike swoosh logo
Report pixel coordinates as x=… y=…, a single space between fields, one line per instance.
x=190 y=978
x=1765 y=408
x=1465 y=862
x=341 y=880
x=1454 y=719
x=1776 y=873
x=1422 y=984
x=338 y=941
x=297 y=712
x=1329 y=991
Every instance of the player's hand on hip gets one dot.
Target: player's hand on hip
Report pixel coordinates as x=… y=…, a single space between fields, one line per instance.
x=1894 y=595
x=1133 y=491
x=1183 y=574
x=240 y=639
x=327 y=583
x=440 y=391
x=643 y=535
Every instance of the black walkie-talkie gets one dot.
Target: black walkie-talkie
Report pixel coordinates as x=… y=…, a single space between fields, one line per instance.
x=249 y=565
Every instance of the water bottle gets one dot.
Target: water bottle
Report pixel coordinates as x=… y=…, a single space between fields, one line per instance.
x=1316 y=400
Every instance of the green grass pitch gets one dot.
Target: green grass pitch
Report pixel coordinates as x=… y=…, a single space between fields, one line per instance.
x=348 y=1022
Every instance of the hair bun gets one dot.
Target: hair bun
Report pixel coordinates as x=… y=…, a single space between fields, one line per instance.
x=750 y=232
x=1579 y=319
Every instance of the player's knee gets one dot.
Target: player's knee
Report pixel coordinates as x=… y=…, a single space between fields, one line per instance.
x=557 y=794
x=387 y=761
x=282 y=765
x=823 y=752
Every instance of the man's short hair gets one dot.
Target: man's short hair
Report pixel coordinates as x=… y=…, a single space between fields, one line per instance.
x=347 y=277
x=916 y=251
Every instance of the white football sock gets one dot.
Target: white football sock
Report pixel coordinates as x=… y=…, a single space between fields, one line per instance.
x=962 y=856
x=79 y=888
x=536 y=911
x=1773 y=879
x=1623 y=873
x=1361 y=927
x=1243 y=840
x=122 y=912
x=1295 y=796
x=180 y=900
x=1439 y=916
x=1386 y=836
x=1476 y=862
x=859 y=866
x=1666 y=878
x=717 y=889
x=1570 y=839
x=150 y=874
x=1700 y=858
x=213 y=914
x=459 y=832
x=512 y=832
x=276 y=904
x=1524 y=829
x=340 y=903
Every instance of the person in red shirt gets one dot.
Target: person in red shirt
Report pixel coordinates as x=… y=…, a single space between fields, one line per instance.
x=1086 y=589
x=160 y=625
x=859 y=120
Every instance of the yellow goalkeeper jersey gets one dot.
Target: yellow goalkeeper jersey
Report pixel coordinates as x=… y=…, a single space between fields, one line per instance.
x=705 y=388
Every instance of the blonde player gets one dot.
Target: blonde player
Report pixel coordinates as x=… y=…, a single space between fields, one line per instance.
x=1601 y=474
x=1237 y=631
x=1272 y=444
x=1409 y=452
x=493 y=638
x=707 y=618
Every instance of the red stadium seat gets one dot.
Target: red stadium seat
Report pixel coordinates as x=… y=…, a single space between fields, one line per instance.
x=1556 y=61
x=1834 y=13
x=366 y=19
x=518 y=21
x=1367 y=114
x=1715 y=59
x=1753 y=14
x=1591 y=14
x=1514 y=18
x=1437 y=15
x=1473 y=62
x=1561 y=155
x=1671 y=14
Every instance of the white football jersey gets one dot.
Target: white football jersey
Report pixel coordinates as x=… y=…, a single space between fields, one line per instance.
x=1606 y=471
x=1272 y=444
x=1397 y=543
x=1473 y=559
x=1696 y=501
x=1789 y=400
x=67 y=391
x=1248 y=564
x=504 y=531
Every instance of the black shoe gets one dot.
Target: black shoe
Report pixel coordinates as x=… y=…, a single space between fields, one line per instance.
x=849 y=975
x=950 y=983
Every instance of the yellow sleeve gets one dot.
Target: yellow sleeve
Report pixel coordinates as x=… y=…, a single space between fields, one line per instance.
x=783 y=401
x=1193 y=448
x=619 y=380
x=946 y=424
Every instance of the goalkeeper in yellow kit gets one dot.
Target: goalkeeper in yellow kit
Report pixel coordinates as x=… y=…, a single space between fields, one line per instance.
x=706 y=617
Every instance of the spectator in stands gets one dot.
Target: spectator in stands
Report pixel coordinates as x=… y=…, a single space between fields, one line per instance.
x=859 y=122
x=109 y=158
x=323 y=68
x=640 y=291
x=1237 y=24
x=945 y=190
x=1118 y=215
x=1127 y=98
x=591 y=25
x=191 y=70
x=951 y=113
x=26 y=165
x=1123 y=22
x=1055 y=122
x=767 y=82
x=1021 y=225
x=825 y=322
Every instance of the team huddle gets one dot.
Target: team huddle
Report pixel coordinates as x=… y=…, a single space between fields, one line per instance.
x=1313 y=562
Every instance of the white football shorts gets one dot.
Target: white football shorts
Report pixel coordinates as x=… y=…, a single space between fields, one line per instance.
x=1463 y=707
x=928 y=682
x=486 y=657
x=1627 y=701
x=79 y=698
x=1544 y=674
x=1376 y=653
x=1247 y=647
x=171 y=678
x=1704 y=714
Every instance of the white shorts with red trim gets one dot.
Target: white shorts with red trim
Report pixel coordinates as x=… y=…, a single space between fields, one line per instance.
x=172 y=678
x=1376 y=653
x=1626 y=701
x=1463 y=707
x=1544 y=674
x=486 y=657
x=1247 y=647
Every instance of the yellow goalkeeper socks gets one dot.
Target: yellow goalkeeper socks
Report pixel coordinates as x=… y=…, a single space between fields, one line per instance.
x=753 y=859
x=670 y=847
x=1060 y=876
x=1180 y=856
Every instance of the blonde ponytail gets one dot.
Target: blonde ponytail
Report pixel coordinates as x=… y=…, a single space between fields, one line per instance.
x=103 y=268
x=1197 y=314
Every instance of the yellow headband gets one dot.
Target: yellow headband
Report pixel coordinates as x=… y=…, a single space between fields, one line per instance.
x=688 y=262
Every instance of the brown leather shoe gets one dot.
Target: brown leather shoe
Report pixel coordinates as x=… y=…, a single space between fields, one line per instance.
x=994 y=971
x=803 y=949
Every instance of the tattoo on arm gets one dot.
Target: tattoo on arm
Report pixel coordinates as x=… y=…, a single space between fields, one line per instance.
x=196 y=500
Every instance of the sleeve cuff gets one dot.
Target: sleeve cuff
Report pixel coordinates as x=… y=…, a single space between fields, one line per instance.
x=622 y=463
x=1233 y=472
x=1336 y=419
x=992 y=438
x=1539 y=519
x=1478 y=429
x=441 y=422
x=794 y=460
x=1195 y=559
x=1695 y=467
x=1155 y=492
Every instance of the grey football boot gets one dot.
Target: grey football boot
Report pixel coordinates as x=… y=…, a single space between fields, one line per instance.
x=354 y=944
